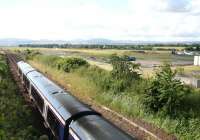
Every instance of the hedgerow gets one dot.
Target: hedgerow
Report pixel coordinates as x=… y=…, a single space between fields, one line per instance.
x=66 y=64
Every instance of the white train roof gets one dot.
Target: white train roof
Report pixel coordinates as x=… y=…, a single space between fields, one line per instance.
x=65 y=104
x=45 y=86
x=25 y=67
x=89 y=127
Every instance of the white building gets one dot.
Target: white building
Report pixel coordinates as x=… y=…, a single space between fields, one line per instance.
x=197 y=60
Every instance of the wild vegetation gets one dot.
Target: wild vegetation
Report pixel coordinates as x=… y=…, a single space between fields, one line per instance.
x=162 y=100
x=16 y=118
x=165 y=93
x=125 y=46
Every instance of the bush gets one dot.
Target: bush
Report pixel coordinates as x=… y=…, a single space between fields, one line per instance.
x=123 y=73
x=30 y=54
x=165 y=92
x=68 y=64
x=65 y=64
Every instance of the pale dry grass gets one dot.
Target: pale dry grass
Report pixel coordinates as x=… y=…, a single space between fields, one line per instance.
x=191 y=68
x=79 y=86
x=101 y=65
x=147 y=72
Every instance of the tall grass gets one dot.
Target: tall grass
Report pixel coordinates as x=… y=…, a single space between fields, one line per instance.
x=93 y=84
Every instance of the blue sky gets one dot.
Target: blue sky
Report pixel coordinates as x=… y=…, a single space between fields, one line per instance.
x=163 y=20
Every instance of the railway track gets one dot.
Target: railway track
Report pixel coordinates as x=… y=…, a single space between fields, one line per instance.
x=139 y=129
x=12 y=60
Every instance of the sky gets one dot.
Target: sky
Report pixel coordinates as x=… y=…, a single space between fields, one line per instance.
x=148 y=20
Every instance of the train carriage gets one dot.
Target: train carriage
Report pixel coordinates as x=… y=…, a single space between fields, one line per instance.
x=66 y=116
x=23 y=70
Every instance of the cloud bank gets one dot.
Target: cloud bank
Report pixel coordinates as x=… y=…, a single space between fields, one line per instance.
x=162 y=20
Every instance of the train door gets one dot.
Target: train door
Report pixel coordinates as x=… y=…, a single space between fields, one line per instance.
x=54 y=124
x=61 y=132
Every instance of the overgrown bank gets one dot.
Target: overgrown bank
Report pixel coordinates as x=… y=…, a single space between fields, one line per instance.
x=17 y=121
x=124 y=91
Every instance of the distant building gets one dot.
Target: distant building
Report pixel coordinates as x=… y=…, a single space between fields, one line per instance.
x=195 y=82
x=197 y=60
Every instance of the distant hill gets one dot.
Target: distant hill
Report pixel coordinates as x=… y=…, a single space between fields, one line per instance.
x=15 y=42
x=101 y=41
x=126 y=42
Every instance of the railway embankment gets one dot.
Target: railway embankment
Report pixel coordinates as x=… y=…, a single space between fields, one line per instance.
x=85 y=83
x=18 y=120
x=83 y=87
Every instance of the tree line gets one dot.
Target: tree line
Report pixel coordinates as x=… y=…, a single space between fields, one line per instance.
x=191 y=47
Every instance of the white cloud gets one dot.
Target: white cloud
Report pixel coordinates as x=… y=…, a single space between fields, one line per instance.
x=179 y=5
x=66 y=19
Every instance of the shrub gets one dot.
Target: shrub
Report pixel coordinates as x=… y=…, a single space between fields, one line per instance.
x=65 y=64
x=29 y=54
x=68 y=64
x=123 y=73
x=165 y=92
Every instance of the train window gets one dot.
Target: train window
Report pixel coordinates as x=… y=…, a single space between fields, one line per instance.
x=38 y=98
x=24 y=77
x=53 y=122
x=20 y=72
x=26 y=81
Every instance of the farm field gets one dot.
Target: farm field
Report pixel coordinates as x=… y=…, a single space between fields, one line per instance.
x=96 y=85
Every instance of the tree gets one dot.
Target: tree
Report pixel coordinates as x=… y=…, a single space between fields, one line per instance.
x=124 y=72
x=165 y=92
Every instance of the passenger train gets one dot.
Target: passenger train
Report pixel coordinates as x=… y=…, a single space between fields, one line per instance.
x=63 y=114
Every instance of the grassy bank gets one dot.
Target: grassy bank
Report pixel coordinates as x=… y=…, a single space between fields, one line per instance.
x=96 y=85
x=17 y=120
